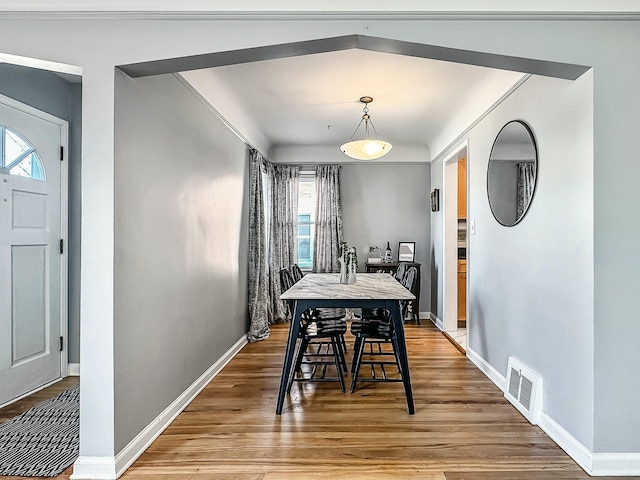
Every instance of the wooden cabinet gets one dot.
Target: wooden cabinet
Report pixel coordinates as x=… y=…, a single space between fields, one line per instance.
x=462 y=188
x=462 y=293
x=391 y=268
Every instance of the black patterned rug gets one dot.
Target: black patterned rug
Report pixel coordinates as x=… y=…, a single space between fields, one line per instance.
x=43 y=441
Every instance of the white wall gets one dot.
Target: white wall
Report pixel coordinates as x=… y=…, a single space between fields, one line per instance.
x=180 y=245
x=530 y=287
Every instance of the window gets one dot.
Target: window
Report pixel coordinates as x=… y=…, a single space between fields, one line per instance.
x=19 y=157
x=306 y=218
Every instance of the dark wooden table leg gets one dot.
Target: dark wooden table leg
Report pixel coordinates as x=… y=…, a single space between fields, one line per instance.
x=294 y=327
x=398 y=325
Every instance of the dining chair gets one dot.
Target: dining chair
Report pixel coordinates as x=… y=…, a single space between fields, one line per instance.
x=319 y=345
x=399 y=275
x=374 y=334
x=296 y=272
x=328 y=314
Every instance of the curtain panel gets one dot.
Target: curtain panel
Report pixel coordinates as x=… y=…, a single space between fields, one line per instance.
x=259 y=305
x=283 y=234
x=525 y=184
x=328 y=233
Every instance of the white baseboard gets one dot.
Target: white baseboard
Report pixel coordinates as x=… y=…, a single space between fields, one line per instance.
x=436 y=321
x=492 y=374
x=111 y=468
x=94 y=468
x=615 y=464
x=595 y=464
x=570 y=444
x=73 y=369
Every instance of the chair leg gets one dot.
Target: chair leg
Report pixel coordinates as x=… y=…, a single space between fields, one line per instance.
x=356 y=347
x=339 y=343
x=335 y=344
x=357 y=359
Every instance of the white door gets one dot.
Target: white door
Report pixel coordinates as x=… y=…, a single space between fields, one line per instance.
x=30 y=259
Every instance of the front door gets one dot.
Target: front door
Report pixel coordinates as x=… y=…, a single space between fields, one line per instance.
x=30 y=259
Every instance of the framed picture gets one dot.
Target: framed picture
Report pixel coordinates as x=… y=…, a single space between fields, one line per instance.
x=406 y=251
x=435 y=200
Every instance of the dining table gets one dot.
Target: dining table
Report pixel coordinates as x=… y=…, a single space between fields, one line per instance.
x=324 y=290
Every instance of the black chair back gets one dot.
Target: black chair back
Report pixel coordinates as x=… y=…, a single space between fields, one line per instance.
x=399 y=276
x=296 y=273
x=408 y=282
x=409 y=278
x=286 y=280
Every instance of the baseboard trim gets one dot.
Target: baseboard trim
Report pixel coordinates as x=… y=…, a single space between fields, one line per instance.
x=135 y=448
x=111 y=468
x=94 y=468
x=595 y=464
x=436 y=321
x=567 y=442
x=615 y=464
x=73 y=369
x=485 y=367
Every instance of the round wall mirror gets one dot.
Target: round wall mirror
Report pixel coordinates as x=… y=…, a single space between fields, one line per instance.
x=512 y=173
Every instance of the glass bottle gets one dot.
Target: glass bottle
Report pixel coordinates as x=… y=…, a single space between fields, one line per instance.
x=387 y=254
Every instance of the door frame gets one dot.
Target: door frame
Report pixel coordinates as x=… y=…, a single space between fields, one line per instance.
x=64 y=227
x=450 y=237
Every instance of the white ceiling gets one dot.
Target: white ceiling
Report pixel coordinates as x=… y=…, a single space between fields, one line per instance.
x=314 y=99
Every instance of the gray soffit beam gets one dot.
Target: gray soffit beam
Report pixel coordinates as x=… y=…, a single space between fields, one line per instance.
x=384 y=45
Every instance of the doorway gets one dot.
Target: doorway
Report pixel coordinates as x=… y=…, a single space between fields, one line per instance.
x=33 y=267
x=456 y=246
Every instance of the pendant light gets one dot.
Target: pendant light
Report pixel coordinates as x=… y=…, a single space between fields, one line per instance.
x=367 y=148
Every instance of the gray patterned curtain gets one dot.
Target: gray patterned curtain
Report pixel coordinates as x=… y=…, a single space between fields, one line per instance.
x=526 y=181
x=328 y=219
x=283 y=251
x=258 y=279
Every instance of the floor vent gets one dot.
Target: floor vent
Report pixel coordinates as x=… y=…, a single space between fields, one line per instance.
x=524 y=390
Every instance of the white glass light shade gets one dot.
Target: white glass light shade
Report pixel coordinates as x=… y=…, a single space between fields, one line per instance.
x=366 y=149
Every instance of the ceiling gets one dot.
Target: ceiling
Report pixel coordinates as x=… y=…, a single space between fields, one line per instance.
x=314 y=99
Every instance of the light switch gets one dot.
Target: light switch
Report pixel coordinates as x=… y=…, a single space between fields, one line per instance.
x=472 y=227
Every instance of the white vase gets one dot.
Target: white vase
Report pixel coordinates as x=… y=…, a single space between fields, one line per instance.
x=343 y=271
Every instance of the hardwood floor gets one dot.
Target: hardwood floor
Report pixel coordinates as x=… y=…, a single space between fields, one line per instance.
x=24 y=404
x=463 y=428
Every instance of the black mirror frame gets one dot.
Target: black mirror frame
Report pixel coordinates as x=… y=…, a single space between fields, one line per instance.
x=537 y=164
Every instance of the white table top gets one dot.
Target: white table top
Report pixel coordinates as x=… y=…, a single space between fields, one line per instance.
x=378 y=286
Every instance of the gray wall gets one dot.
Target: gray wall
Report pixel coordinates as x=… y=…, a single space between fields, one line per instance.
x=51 y=94
x=530 y=287
x=180 y=245
x=388 y=203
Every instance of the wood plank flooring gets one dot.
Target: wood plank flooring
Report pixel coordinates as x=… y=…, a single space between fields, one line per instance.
x=463 y=428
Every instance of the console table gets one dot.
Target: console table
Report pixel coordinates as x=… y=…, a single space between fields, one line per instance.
x=391 y=268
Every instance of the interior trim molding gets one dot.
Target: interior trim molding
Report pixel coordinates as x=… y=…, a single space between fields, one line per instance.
x=73 y=369
x=615 y=464
x=111 y=468
x=200 y=15
x=436 y=321
x=94 y=468
x=570 y=444
x=457 y=143
x=548 y=68
x=595 y=464
x=485 y=367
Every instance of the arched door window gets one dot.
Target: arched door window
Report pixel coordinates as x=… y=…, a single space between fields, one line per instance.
x=19 y=157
